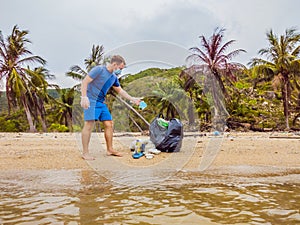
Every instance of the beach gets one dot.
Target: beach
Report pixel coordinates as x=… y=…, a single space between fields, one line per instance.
x=272 y=153
x=235 y=178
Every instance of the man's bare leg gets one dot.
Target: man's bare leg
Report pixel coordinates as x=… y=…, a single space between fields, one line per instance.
x=85 y=138
x=108 y=134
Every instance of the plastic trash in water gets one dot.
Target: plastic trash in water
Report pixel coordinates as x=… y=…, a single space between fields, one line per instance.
x=142 y=105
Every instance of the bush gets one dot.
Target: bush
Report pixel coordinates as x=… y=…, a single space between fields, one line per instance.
x=16 y=122
x=56 y=127
x=9 y=125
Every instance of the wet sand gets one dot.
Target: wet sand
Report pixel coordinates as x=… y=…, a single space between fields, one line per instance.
x=249 y=177
x=258 y=154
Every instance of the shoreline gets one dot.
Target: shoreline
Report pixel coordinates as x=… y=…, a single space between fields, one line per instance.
x=250 y=155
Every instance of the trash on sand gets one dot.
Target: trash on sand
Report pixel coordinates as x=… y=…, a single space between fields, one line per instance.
x=216 y=133
x=149 y=156
x=138 y=143
x=141 y=147
x=154 y=151
x=137 y=155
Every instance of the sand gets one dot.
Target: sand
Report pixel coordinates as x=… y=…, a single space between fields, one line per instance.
x=236 y=153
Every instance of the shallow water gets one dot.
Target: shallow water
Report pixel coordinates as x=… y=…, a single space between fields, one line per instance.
x=85 y=197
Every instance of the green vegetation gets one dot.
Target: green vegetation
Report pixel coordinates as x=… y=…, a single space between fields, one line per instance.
x=210 y=94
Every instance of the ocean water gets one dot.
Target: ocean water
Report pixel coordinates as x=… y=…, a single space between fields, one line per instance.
x=86 y=197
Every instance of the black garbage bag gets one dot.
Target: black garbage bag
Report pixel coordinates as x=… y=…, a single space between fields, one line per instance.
x=167 y=139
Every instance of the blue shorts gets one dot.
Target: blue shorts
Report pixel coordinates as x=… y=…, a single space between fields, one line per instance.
x=97 y=111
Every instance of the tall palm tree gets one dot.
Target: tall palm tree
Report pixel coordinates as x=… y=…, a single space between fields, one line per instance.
x=95 y=59
x=282 y=64
x=38 y=93
x=213 y=63
x=212 y=54
x=14 y=56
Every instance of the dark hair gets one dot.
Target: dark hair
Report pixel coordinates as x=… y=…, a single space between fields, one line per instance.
x=117 y=59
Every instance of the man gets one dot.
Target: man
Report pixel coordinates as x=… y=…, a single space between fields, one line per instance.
x=94 y=88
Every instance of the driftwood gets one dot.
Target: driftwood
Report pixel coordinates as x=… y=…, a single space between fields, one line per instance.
x=285 y=137
x=246 y=126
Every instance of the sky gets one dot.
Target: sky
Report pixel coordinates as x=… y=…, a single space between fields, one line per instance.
x=156 y=33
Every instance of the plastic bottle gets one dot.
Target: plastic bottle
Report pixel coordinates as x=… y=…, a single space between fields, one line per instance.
x=163 y=123
x=142 y=105
x=138 y=145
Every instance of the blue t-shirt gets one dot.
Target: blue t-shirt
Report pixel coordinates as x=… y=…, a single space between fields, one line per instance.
x=103 y=80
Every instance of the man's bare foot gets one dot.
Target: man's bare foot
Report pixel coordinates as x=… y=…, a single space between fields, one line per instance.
x=88 y=157
x=114 y=153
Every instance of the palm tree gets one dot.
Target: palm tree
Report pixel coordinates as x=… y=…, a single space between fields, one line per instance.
x=95 y=59
x=173 y=100
x=212 y=54
x=38 y=93
x=14 y=55
x=282 y=64
x=64 y=111
x=212 y=63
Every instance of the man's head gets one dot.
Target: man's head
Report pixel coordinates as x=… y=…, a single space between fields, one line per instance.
x=118 y=62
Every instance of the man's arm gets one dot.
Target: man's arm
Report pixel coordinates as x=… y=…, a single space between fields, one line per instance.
x=84 y=85
x=85 y=103
x=124 y=94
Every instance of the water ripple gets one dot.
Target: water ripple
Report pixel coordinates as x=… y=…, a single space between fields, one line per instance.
x=84 y=197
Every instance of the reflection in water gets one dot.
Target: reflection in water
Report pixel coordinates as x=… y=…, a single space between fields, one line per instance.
x=84 y=197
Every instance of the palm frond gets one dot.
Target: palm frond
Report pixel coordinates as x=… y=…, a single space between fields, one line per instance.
x=224 y=47
x=296 y=51
x=79 y=70
x=234 y=53
x=95 y=58
x=75 y=76
x=32 y=59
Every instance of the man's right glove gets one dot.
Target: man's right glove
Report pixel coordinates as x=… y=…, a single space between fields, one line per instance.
x=85 y=102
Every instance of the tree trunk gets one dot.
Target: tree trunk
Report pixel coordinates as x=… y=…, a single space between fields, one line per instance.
x=69 y=121
x=191 y=115
x=286 y=102
x=43 y=122
x=29 y=117
x=220 y=83
x=9 y=99
x=218 y=111
x=41 y=111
